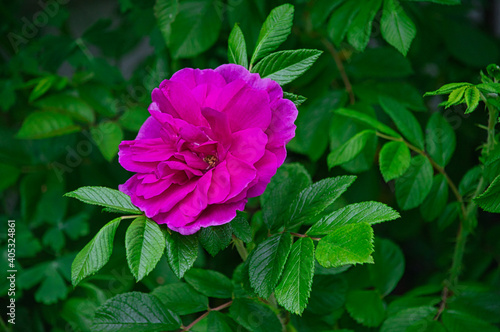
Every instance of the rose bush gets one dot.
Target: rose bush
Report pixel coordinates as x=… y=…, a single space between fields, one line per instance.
x=214 y=139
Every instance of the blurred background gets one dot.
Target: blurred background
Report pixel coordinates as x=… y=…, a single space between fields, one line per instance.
x=76 y=78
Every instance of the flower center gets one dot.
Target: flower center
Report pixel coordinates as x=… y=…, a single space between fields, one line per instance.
x=211 y=161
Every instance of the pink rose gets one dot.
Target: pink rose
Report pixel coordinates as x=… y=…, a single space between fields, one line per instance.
x=214 y=139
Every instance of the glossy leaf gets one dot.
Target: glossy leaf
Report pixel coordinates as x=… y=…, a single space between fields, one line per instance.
x=267 y=262
x=95 y=254
x=366 y=119
x=145 y=244
x=472 y=97
x=181 y=298
x=294 y=288
x=241 y=228
x=46 y=124
x=210 y=283
x=182 y=251
x=215 y=238
x=394 y=160
x=349 y=244
x=68 y=105
x=396 y=27
x=106 y=197
x=434 y=204
x=389 y=266
x=365 y=307
x=489 y=200
x=350 y=149
x=413 y=187
x=237 y=49
x=107 y=136
x=358 y=34
x=440 y=139
x=254 y=316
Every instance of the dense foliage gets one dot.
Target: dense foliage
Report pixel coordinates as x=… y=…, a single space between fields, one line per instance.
x=311 y=253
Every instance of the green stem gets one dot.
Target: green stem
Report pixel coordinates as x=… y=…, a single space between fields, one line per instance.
x=197 y=320
x=240 y=246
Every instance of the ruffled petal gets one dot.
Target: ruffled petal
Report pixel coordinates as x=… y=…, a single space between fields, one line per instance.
x=195 y=77
x=249 y=145
x=282 y=128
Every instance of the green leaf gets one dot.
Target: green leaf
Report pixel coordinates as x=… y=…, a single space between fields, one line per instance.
x=401 y=321
x=447 y=88
x=365 y=307
x=285 y=66
x=314 y=199
x=241 y=228
x=145 y=244
x=289 y=180
x=456 y=96
x=165 y=12
x=350 y=149
x=366 y=119
x=182 y=251
x=440 y=139
x=133 y=118
x=328 y=294
x=404 y=120
x=237 y=50
x=218 y=322
x=181 y=298
x=358 y=34
x=100 y=98
x=195 y=28
x=46 y=124
x=107 y=135
x=469 y=182
x=413 y=187
x=472 y=97
x=134 y=312
x=68 y=105
x=449 y=215
x=340 y=21
x=349 y=244
x=434 y=204
x=296 y=99
x=457 y=321
x=106 y=197
x=383 y=62
x=489 y=200
x=294 y=288
x=365 y=212
x=274 y=31
x=489 y=87
x=215 y=238
x=396 y=27
x=254 y=316
x=394 y=160
x=52 y=289
x=267 y=262
x=10 y=175
x=43 y=85
x=95 y=254
x=389 y=266
x=210 y=283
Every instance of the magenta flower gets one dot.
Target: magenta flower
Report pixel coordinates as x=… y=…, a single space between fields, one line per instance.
x=214 y=139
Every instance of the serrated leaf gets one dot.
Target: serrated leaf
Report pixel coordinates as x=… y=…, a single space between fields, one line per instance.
x=52 y=289
x=134 y=312
x=366 y=119
x=182 y=251
x=456 y=96
x=358 y=34
x=296 y=99
x=350 y=149
x=491 y=87
x=95 y=254
x=457 y=321
x=145 y=244
x=328 y=294
x=489 y=200
x=210 y=283
x=241 y=228
x=396 y=27
x=106 y=197
x=254 y=316
x=472 y=96
x=394 y=160
x=447 y=88
x=267 y=262
x=195 y=28
x=274 y=31
x=389 y=266
x=401 y=321
x=46 y=124
x=314 y=199
x=165 y=12
x=215 y=238
x=68 y=105
x=294 y=288
x=365 y=212
x=289 y=180
x=434 y=204
x=413 y=187
x=107 y=136
x=285 y=66
x=341 y=20
x=181 y=298
x=237 y=49
x=440 y=139
x=365 y=307
x=349 y=244
x=405 y=121
x=218 y=322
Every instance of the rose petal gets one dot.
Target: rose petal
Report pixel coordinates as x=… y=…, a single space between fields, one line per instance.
x=195 y=77
x=249 y=145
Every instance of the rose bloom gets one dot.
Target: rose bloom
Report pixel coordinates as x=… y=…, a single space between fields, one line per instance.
x=214 y=139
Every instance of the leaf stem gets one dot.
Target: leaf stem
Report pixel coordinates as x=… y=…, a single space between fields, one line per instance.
x=131 y=216
x=304 y=235
x=329 y=46
x=197 y=320
x=240 y=247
